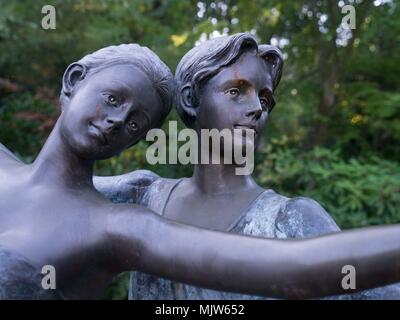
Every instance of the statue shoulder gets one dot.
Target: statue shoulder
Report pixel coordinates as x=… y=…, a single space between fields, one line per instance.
x=305 y=217
x=126 y=188
x=7 y=155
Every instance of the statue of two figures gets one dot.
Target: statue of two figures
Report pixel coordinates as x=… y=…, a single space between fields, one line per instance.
x=53 y=212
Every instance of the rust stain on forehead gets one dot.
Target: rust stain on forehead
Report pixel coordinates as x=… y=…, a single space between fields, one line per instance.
x=236 y=75
x=97 y=111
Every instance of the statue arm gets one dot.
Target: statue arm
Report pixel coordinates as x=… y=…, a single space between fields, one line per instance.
x=124 y=188
x=316 y=221
x=304 y=268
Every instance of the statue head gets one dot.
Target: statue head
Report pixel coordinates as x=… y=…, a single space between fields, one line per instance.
x=111 y=98
x=228 y=82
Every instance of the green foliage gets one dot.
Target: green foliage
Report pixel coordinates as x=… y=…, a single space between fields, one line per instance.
x=118 y=288
x=25 y=123
x=357 y=192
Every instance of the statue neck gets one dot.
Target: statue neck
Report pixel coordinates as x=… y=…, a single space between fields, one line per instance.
x=57 y=164
x=221 y=179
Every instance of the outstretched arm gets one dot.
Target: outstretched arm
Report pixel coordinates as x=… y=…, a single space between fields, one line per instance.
x=304 y=217
x=276 y=268
x=125 y=188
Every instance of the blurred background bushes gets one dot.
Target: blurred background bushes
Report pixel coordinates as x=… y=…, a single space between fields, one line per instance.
x=333 y=135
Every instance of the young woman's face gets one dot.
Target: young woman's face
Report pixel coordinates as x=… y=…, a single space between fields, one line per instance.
x=111 y=110
x=238 y=97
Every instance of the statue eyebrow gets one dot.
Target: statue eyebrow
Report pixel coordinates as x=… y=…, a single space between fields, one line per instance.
x=245 y=83
x=121 y=84
x=237 y=83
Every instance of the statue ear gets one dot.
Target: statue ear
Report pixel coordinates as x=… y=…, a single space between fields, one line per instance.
x=187 y=101
x=276 y=63
x=75 y=73
x=274 y=59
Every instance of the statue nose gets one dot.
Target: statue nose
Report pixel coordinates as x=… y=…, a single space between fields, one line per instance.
x=255 y=112
x=113 y=124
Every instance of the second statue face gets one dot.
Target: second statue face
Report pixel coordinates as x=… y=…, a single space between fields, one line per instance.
x=238 y=97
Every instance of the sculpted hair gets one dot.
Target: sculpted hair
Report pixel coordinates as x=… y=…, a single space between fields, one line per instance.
x=207 y=59
x=141 y=57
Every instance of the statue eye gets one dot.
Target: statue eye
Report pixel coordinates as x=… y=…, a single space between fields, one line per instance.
x=133 y=125
x=234 y=92
x=265 y=104
x=111 y=100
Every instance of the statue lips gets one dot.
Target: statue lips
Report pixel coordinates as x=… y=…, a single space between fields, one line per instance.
x=246 y=127
x=96 y=131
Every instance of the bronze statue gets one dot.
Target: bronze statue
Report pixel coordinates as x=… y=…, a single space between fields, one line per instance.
x=227 y=82
x=51 y=214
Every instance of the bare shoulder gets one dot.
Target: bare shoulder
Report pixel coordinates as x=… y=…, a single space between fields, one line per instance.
x=305 y=217
x=7 y=157
x=9 y=167
x=307 y=207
